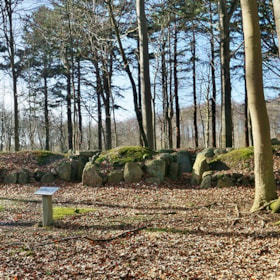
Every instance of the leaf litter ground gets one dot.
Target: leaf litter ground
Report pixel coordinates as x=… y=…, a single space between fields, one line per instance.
x=138 y=231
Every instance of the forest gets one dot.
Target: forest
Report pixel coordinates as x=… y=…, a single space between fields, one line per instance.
x=71 y=74
x=172 y=78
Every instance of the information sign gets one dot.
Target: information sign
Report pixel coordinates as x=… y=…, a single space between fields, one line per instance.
x=46 y=190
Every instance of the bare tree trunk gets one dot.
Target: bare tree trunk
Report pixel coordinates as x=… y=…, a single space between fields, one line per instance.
x=107 y=104
x=225 y=15
x=80 y=121
x=145 y=74
x=265 y=187
x=115 y=123
x=176 y=96
x=99 y=92
x=246 y=118
x=130 y=76
x=170 y=112
x=164 y=95
x=69 y=113
x=213 y=77
x=276 y=9
x=46 y=113
x=193 y=50
x=7 y=11
x=207 y=138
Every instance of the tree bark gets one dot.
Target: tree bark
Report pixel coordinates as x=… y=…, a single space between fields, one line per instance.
x=164 y=96
x=193 y=50
x=80 y=121
x=265 y=187
x=107 y=103
x=213 y=78
x=225 y=16
x=7 y=16
x=276 y=9
x=69 y=112
x=46 y=113
x=129 y=74
x=99 y=93
x=176 y=95
x=145 y=74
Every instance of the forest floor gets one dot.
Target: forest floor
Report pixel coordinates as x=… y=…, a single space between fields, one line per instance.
x=138 y=231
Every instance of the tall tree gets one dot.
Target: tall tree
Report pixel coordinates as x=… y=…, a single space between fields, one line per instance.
x=276 y=9
x=7 y=8
x=176 y=86
x=213 y=76
x=193 y=51
x=265 y=187
x=39 y=57
x=145 y=73
x=129 y=73
x=225 y=14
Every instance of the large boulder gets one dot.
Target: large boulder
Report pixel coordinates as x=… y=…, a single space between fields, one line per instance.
x=184 y=161
x=153 y=180
x=168 y=158
x=206 y=180
x=91 y=176
x=225 y=181
x=156 y=168
x=74 y=169
x=64 y=171
x=11 y=178
x=208 y=152
x=48 y=177
x=132 y=172
x=199 y=167
x=173 y=171
x=23 y=177
x=115 y=177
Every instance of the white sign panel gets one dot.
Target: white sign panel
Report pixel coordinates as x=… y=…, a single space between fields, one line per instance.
x=46 y=190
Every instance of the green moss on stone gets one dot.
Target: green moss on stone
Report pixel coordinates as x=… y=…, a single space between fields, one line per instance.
x=121 y=155
x=46 y=157
x=235 y=158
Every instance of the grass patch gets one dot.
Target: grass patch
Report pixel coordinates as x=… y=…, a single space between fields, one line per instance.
x=61 y=212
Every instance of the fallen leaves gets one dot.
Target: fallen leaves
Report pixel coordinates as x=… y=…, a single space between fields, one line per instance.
x=138 y=232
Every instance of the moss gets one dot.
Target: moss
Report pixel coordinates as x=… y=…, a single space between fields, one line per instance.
x=46 y=157
x=235 y=158
x=121 y=155
x=61 y=212
x=275 y=206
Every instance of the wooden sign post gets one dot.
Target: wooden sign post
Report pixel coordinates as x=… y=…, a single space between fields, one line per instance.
x=47 y=193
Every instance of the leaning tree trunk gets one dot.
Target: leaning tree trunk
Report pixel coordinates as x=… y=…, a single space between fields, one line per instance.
x=265 y=187
x=129 y=74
